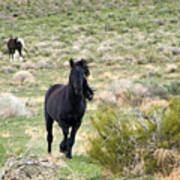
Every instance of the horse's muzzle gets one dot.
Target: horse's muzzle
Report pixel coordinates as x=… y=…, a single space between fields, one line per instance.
x=78 y=91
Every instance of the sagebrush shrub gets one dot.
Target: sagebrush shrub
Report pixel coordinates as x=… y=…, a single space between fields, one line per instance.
x=11 y=106
x=134 y=143
x=170 y=128
x=113 y=141
x=173 y=87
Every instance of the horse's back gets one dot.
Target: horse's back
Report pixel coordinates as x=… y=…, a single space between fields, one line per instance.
x=11 y=43
x=53 y=89
x=51 y=98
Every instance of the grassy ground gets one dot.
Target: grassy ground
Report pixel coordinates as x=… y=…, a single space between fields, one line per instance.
x=131 y=40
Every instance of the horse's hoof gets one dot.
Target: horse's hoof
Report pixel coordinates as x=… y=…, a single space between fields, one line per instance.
x=49 y=152
x=69 y=157
x=62 y=149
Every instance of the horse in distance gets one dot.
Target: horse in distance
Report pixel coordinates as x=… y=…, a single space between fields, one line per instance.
x=66 y=104
x=14 y=44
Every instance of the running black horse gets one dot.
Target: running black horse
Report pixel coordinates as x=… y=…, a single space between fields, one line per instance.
x=67 y=104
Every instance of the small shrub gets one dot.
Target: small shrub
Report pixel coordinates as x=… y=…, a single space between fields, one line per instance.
x=170 y=128
x=23 y=76
x=136 y=143
x=113 y=141
x=156 y=90
x=174 y=87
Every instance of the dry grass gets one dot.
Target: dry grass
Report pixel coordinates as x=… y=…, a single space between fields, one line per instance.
x=125 y=92
x=11 y=106
x=167 y=160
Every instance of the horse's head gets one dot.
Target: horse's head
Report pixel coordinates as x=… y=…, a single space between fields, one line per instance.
x=83 y=64
x=76 y=78
x=15 y=39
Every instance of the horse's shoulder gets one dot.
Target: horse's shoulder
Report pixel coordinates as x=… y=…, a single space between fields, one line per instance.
x=10 y=41
x=54 y=88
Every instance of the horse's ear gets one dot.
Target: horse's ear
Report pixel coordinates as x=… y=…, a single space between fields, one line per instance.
x=84 y=60
x=71 y=62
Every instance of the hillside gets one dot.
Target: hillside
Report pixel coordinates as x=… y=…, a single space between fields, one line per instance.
x=130 y=45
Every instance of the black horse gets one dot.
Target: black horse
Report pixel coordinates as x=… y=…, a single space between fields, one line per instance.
x=66 y=104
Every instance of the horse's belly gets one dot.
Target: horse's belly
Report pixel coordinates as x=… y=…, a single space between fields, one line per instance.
x=72 y=117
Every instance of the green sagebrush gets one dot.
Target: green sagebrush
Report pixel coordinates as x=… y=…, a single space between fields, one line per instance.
x=126 y=143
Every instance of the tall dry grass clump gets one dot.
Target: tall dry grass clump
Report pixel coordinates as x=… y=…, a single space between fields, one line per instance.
x=127 y=92
x=138 y=143
x=11 y=106
x=22 y=76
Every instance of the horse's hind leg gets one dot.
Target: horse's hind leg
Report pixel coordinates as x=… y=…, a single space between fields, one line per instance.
x=49 y=128
x=11 y=54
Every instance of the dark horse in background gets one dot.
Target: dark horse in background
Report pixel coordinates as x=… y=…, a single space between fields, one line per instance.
x=13 y=45
x=67 y=104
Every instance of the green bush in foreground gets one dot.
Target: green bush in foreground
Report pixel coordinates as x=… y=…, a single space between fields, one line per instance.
x=138 y=143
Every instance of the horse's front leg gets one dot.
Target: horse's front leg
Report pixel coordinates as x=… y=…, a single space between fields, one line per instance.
x=71 y=140
x=65 y=129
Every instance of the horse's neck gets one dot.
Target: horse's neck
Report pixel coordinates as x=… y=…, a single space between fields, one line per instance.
x=74 y=99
